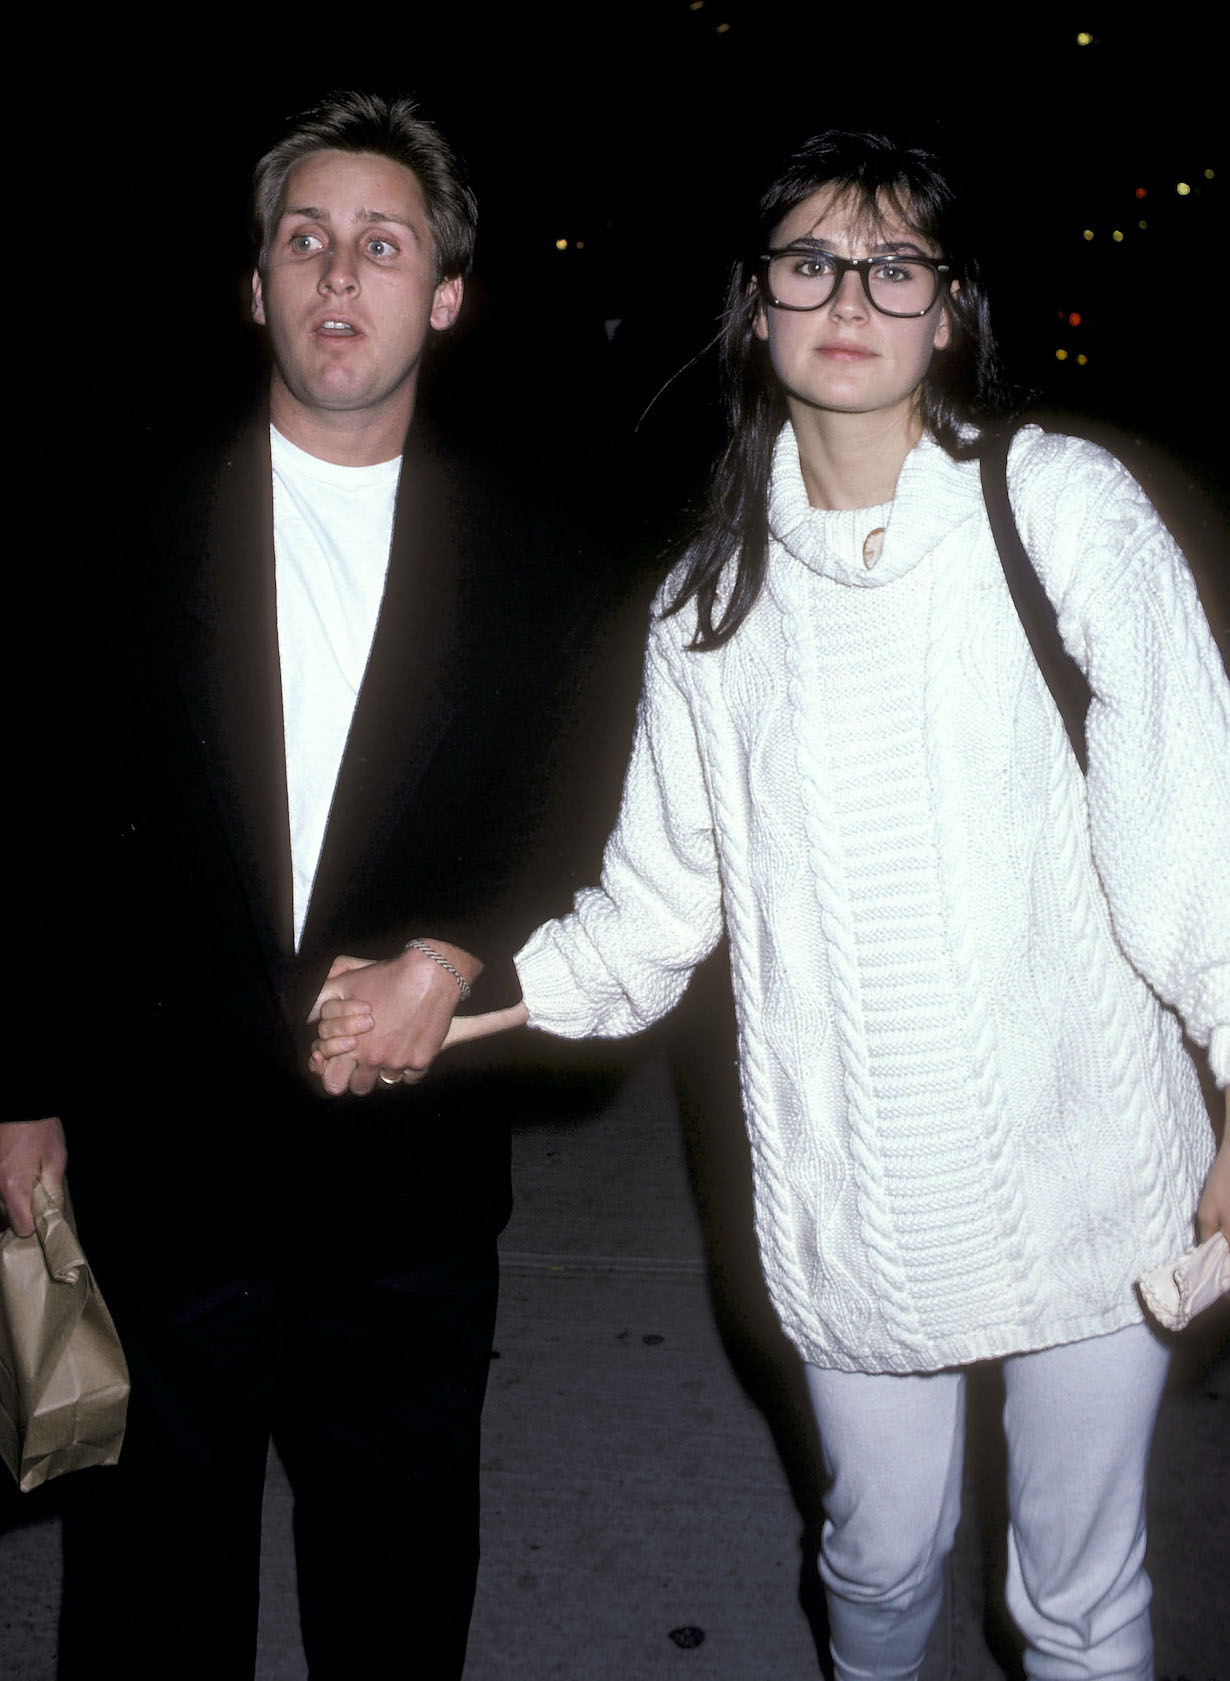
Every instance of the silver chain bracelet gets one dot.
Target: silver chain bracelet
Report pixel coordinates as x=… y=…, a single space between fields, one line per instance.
x=428 y=951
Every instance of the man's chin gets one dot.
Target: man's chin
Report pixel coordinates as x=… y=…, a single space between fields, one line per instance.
x=338 y=396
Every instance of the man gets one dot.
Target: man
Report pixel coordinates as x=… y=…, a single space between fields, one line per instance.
x=330 y=683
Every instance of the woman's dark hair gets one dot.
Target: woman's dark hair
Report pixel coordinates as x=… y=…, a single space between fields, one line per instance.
x=364 y=122
x=962 y=387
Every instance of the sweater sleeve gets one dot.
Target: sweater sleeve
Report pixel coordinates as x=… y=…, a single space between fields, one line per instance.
x=1158 y=734
x=623 y=957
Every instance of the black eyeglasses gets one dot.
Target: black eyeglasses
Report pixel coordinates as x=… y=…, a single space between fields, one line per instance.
x=805 y=277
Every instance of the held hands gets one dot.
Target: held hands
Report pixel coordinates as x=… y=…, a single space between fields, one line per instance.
x=386 y=1021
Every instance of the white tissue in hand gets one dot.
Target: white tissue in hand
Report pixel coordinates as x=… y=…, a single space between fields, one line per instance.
x=1176 y=1292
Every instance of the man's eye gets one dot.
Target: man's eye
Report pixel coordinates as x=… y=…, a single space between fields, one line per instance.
x=381 y=247
x=305 y=242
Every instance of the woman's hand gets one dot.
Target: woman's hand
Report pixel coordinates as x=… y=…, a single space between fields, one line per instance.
x=344 y=1020
x=340 y=1017
x=394 y=1031
x=1213 y=1212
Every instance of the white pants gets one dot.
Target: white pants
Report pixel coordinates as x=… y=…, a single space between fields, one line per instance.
x=1078 y=1420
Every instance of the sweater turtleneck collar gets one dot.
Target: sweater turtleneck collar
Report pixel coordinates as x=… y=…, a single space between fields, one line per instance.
x=869 y=547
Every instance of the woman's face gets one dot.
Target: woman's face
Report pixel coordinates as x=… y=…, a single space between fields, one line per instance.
x=846 y=357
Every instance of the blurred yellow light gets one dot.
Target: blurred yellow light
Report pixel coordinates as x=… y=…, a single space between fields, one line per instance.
x=722 y=28
x=1208 y=174
x=1082 y=360
x=561 y=245
x=1084 y=39
x=1117 y=237
x=1061 y=355
x=1183 y=189
x=1142 y=226
x=580 y=245
x=696 y=5
x=1088 y=233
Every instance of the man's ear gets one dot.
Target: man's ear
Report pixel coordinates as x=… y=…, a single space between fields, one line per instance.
x=446 y=304
x=258 y=299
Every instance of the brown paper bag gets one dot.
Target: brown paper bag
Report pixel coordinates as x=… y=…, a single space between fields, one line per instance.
x=63 y=1379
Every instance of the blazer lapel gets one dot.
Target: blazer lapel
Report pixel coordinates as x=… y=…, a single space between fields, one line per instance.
x=403 y=707
x=230 y=672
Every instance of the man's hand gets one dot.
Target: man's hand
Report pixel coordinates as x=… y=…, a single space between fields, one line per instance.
x=1213 y=1212
x=29 y=1151
x=387 y=1020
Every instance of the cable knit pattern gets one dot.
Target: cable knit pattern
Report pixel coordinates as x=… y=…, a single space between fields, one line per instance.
x=973 y=1122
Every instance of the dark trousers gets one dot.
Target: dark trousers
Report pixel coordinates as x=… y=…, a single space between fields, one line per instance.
x=372 y=1392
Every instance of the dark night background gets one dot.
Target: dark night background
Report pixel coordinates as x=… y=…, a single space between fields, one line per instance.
x=642 y=131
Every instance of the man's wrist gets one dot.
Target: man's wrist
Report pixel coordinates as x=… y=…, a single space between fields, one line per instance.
x=461 y=966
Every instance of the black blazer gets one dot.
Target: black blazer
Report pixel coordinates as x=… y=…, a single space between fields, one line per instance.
x=439 y=826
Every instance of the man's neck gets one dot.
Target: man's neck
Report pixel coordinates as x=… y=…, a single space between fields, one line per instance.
x=347 y=438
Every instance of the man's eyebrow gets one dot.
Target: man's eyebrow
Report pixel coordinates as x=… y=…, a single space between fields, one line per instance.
x=314 y=213
x=385 y=216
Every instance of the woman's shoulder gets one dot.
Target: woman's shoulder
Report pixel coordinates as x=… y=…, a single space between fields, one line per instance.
x=675 y=615
x=1083 y=517
x=1053 y=466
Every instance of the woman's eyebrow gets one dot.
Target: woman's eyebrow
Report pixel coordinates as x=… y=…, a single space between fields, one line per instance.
x=885 y=248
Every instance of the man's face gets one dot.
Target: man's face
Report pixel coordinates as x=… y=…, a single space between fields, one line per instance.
x=349 y=290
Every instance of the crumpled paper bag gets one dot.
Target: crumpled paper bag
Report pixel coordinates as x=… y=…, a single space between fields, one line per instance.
x=1178 y=1290
x=63 y=1377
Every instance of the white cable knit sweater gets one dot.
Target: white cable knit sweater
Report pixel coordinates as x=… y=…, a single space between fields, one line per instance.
x=973 y=1124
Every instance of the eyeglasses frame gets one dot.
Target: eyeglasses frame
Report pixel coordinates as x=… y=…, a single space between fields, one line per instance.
x=861 y=266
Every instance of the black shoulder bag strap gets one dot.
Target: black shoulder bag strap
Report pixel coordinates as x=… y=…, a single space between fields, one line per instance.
x=1064 y=678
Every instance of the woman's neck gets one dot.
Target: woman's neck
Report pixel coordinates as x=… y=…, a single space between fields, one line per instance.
x=852 y=460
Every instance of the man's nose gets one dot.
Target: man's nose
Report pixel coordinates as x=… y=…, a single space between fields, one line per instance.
x=341 y=273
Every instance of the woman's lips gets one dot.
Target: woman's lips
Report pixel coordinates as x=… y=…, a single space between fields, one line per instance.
x=846 y=352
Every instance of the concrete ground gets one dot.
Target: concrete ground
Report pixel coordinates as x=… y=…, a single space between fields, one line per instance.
x=648 y=1469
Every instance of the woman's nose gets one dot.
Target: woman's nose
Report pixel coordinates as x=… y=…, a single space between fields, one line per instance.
x=849 y=300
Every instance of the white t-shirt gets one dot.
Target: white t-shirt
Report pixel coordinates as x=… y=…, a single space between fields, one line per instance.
x=332 y=528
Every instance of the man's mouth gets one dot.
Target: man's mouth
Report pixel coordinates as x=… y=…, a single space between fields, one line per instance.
x=333 y=327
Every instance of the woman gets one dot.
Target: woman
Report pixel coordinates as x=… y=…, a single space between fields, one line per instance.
x=973 y=1123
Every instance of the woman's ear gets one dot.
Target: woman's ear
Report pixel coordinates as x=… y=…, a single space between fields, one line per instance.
x=943 y=327
x=760 y=320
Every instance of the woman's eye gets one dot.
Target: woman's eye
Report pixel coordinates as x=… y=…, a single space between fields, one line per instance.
x=893 y=274
x=811 y=268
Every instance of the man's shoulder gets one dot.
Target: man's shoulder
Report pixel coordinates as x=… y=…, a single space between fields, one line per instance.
x=196 y=472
